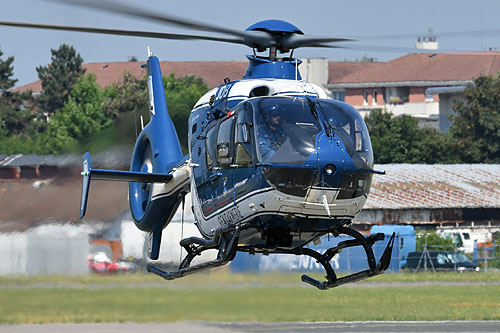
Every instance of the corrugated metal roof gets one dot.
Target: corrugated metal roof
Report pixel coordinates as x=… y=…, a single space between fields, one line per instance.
x=116 y=158
x=410 y=186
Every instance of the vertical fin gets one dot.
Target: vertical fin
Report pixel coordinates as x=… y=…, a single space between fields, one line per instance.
x=86 y=167
x=154 y=242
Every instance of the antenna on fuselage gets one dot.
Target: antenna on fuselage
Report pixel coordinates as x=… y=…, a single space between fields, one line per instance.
x=296 y=69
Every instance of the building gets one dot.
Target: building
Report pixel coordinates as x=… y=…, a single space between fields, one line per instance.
x=409 y=84
x=40 y=232
x=434 y=195
x=108 y=73
x=423 y=85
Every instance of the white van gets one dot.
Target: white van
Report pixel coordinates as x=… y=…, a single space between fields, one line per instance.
x=464 y=238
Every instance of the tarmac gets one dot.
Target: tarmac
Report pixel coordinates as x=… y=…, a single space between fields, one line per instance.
x=254 y=327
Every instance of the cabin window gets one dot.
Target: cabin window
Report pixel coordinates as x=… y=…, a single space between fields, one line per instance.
x=224 y=141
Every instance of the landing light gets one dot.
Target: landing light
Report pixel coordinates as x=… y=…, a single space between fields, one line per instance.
x=330 y=169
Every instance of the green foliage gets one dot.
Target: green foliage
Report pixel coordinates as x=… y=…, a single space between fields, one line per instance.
x=131 y=95
x=182 y=93
x=74 y=113
x=81 y=116
x=6 y=74
x=400 y=140
x=15 y=120
x=58 y=78
x=476 y=123
x=434 y=241
x=127 y=102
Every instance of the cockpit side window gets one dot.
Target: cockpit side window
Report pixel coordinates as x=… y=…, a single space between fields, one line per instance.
x=224 y=141
x=210 y=146
x=243 y=137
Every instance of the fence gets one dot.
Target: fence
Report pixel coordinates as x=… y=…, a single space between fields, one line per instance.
x=448 y=257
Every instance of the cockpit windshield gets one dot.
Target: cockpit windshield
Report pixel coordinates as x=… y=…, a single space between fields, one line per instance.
x=348 y=125
x=285 y=128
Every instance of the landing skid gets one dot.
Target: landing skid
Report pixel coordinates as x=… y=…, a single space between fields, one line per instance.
x=332 y=280
x=226 y=240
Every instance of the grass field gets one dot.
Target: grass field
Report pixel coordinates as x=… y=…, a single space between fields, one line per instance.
x=221 y=296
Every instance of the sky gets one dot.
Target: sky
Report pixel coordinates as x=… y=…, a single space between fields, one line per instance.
x=365 y=20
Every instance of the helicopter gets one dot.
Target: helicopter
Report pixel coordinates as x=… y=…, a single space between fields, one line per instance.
x=273 y=163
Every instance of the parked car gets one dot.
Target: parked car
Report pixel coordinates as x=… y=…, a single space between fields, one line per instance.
x=101 y=264
x=441 y=260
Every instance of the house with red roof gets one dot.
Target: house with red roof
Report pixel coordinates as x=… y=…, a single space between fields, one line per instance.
x=108 y=73
x=423 y=85
x=419 y=84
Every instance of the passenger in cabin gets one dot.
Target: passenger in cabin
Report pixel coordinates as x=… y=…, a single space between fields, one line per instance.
x=271 y=135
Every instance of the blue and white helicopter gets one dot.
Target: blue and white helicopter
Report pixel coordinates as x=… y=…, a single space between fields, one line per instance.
x=273 y=164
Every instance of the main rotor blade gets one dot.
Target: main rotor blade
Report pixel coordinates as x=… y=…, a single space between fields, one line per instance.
x=121 y=8
x=296 y=41
x=118 y=32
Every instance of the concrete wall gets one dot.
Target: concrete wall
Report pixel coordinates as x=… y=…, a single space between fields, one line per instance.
x=314 y=70
x=423 y=109
x=45 y=250
x=13 y=253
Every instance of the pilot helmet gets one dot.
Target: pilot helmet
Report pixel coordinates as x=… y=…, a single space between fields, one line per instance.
x=273 y=111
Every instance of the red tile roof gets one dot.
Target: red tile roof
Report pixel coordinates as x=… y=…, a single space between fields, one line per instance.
x=212 y=72
x=428 y=67
x=410 y=186
x=415 y=67
x=339 y=69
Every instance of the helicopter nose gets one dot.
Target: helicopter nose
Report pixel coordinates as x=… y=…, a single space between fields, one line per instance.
x=329 y=173
x=331 y=162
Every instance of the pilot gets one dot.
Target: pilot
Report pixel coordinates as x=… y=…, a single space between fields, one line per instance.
x=271 y=135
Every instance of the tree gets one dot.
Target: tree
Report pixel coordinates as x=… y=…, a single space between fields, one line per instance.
x=15 y=119
x=81 y=116
x=6 y=74
x=182 y=94
x=476 y=122
x=434 y=241
x=129 y=96
x=125 y=104
x=400 y=140
x=58 y=78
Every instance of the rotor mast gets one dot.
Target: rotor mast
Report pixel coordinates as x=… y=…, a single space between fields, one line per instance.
x=273 y=53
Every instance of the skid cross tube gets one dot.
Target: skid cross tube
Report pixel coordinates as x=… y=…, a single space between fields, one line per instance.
x=367 y=243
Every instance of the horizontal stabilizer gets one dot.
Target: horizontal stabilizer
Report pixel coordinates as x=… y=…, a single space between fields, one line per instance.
x=127 y=176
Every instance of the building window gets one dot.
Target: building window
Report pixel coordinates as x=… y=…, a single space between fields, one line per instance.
x=338 y=95
x=374 y=93
x=365 y=97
